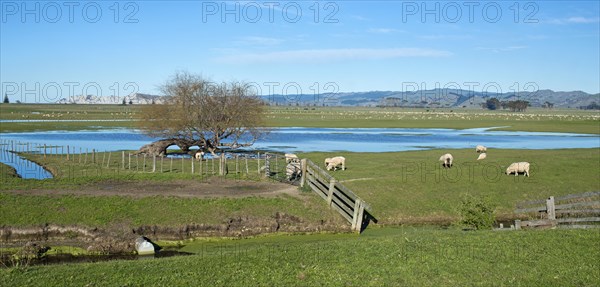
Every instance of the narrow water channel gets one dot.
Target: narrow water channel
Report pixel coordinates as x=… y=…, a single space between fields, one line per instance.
x=25 y=168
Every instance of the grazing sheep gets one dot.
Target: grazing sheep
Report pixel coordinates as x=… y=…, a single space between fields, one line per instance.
x=293 y=170
x=446 y=160
x=290 y=157
x=334 y=162
x=482 y=156
x=480 y=149
x=199 y=155
x=517 y=167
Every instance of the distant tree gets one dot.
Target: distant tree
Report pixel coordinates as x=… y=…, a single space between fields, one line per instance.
x=124 y=102
x=6 y=101
x=504 y=105
x=130 y=102
x=518 y=106
x=547 y=105
x=591 y=106
x=492 y=104
x=153 y=102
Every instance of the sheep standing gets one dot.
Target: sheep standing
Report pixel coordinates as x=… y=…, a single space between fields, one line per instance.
x=446 y=160
x=334 y=162
x=482 y=156
x=293 y=170
x=518 y=167
x=199 y=155
x=480 y=149
x=290 y=157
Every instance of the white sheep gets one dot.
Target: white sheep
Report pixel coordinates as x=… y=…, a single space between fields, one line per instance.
x=480 y=149
x=446 y=160
x=290 y=157
x=482 y=156
x=199 y=155
x=293 y=170
x=517 y=167
x=334 y=162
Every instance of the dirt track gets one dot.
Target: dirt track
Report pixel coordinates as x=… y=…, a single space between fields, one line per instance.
x=213 y=187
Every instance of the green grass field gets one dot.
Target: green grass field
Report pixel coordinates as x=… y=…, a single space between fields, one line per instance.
x=412 y=187
x=401 y=187
x=379 y=257
x=406 y=188
x=575 y=121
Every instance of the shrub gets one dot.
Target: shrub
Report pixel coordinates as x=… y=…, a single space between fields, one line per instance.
x=476 y=212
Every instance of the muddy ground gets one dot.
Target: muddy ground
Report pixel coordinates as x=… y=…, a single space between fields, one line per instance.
x=208 y=188
x=120 y=238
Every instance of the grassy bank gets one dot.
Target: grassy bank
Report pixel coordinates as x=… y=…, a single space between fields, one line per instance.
x=401 y=187
x=7 y=172
x=387 y=257
x=104 y=211
x=412 y=187
x=45 y=204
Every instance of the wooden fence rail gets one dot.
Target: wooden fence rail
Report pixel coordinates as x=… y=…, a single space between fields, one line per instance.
x=337 y=196
x=569 y=211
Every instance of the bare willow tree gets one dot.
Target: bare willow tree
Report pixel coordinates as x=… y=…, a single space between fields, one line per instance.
x=204 y=113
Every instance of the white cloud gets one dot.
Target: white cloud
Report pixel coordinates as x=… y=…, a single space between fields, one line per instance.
x=328 y=55
x=383 y=30
x=258 y=41
x=583 y=20
x=502 y=49
x=445 y=37
x=573 y=20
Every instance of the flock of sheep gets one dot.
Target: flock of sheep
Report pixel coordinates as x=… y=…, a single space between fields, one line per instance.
x=294 y=169
x=515 y=167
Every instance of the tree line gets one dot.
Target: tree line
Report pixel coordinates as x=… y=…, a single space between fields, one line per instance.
x=513 y=106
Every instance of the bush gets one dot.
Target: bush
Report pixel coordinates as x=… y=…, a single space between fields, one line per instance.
x=476 y=212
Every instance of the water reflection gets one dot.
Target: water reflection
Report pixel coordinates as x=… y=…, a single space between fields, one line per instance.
x=25 y=168
x=333 y=139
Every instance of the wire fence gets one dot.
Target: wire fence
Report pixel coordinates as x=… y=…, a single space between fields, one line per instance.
x=71 y=162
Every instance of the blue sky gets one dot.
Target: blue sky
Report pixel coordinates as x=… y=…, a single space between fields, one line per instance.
x=306 y=46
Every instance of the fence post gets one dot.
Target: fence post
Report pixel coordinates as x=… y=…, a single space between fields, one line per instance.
x=330 y=193
x=267 y=165
x=236 y=164
x=258 y=163
x=550 y=209
x=303 y=175
x=200 y=167
x=355 y=215
x=361 y=214
x=517 y=224
x=153 y=163
x=192 y=165
x=108 y=160
x=222 y=164
x=123 y=160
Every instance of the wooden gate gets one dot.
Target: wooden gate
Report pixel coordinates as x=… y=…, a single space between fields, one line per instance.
x=338 y=197
x=569 y=211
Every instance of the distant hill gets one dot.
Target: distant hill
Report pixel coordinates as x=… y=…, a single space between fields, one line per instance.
x=450 y=98
x=436 y=98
